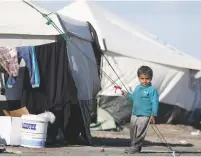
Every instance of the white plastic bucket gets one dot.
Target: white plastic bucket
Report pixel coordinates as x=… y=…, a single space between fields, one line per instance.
x=34 y=131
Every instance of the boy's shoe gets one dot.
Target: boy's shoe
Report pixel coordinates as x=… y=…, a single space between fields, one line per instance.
x=133 y=150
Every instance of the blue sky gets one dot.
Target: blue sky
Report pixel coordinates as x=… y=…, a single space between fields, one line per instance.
x=174 y=22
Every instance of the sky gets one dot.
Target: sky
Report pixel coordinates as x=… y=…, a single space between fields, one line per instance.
x=177 y=23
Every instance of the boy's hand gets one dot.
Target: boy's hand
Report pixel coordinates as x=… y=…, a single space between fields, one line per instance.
x=152 y=119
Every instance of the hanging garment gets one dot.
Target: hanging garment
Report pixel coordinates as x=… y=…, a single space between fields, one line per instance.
x=56 y=82
x=28 y=54
x=9 y=60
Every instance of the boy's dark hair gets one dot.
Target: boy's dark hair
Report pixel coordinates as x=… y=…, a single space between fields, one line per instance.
x=145 y=70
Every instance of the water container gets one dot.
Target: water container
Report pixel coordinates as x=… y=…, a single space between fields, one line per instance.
x=34 y=131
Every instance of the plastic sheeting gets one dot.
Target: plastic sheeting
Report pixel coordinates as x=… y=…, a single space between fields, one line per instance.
x=85 y=73
x=84 y=68
x=81 y=58
x=76 y=28
x=118 y=107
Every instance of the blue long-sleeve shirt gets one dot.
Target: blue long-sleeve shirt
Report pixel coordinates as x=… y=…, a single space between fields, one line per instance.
x=145 y=101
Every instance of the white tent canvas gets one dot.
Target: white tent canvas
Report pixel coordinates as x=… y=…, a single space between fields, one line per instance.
x=129 y=47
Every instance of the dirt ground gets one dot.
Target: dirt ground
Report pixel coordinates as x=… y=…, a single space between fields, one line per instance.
x=113 y=144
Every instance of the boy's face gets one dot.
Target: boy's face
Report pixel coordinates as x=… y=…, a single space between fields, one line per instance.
x=144 y=79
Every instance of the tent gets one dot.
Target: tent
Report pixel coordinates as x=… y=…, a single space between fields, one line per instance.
x=22 y=25
x=127 y=47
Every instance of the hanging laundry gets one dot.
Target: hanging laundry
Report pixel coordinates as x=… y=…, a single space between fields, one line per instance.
x=57 y=89
x=28 y=54
x=9 y=60
x=55 y=79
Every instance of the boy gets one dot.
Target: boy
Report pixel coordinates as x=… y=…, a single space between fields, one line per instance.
x=145 y=108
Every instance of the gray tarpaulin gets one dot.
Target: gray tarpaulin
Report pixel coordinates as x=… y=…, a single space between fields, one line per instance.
x=85 y=74
x=83 y=66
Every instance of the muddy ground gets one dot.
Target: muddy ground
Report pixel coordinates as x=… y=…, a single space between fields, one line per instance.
x=113 y=143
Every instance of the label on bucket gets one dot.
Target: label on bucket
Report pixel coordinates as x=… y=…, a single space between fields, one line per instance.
x=29 y=126
x=34 y=127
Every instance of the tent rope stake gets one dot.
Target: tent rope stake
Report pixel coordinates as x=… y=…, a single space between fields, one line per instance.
x=66 y=38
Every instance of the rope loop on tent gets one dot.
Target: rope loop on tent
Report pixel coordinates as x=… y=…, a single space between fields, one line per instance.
x=51 y=22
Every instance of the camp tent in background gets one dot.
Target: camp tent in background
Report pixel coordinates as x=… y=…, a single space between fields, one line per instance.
x=22 y=25
x=127 y=48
